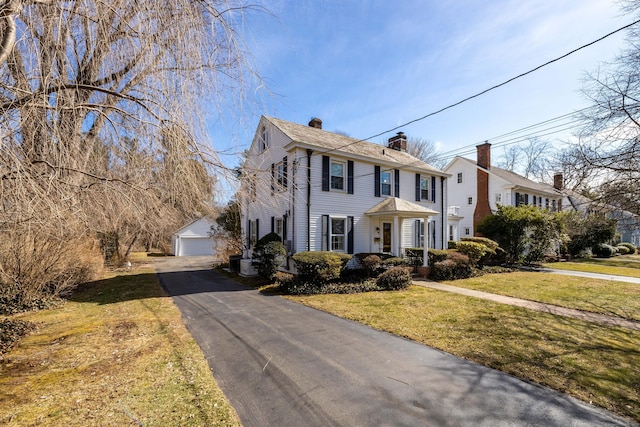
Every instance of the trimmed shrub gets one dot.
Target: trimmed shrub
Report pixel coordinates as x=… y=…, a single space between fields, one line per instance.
x=394 y=262
x=452 y=244
x=371 y=264
x=632 y=248
x=473 y=250
x=491 y=244
x=436 y=255
x=603 y=250
x=393 y=279
x=622 y=250
x=285 y=281
x=271 y=237
x=456 y=266
x=320 y=266
x=269 y=256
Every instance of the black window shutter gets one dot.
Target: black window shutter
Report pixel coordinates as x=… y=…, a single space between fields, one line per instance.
x=273 y=177
x=325 y=173
x=325 y=233
x=284 y=227
x=257 y=230
x=284 y=172
x=350 y=176
x=376 y=177
x=433 y=189
x=416 y=233
x=396 y=182
x=417 y=187
x=249 y=233
x=349 y=234
x=526 y=199
x=273 y=221
x=517 y=199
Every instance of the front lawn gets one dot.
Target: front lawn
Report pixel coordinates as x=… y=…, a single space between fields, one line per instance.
x=595 y=363
x=599 y=296
x=117 y=354
x=625 y=265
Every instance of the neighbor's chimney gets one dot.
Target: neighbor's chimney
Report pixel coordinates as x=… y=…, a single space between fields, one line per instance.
x=484 y=155
x=315 y=123
x=558 y=181
x=398 y=142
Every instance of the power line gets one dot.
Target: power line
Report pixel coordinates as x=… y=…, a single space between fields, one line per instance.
x=455 y=104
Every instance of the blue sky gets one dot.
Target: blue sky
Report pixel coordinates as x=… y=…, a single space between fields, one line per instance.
x=367 y=66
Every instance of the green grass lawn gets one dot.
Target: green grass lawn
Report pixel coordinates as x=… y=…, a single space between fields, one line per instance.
x=597 y=364
x=625 y=265
x=598 y=296
x=116 y=354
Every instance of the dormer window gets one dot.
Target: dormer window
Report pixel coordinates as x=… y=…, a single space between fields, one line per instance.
x=264 y=139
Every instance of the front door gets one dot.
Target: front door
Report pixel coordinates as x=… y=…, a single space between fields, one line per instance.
x=386 y=237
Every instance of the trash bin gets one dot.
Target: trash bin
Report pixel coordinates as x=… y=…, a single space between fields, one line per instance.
x=234 y=263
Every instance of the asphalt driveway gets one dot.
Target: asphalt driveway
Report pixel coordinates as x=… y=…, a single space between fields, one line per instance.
x=284 y=364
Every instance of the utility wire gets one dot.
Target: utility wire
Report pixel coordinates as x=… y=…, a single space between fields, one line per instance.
x=486 y=90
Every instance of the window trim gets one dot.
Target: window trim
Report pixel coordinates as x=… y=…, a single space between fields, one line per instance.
x=389 y=184
x=343 y=163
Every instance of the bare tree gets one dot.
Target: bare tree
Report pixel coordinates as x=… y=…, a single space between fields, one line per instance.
x=426 y=151
x=610 y=137
x=102 y=106
x=531 y=159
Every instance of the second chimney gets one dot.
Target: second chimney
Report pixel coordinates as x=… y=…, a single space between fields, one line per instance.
x=398 y=142
x=484 y=155
x=558 y=181
x=315 y=123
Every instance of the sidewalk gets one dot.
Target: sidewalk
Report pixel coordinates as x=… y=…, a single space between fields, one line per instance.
x=587 y=274
x=602 y=319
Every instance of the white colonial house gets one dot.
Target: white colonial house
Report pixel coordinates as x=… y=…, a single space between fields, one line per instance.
x=320 y=190
x=476 y=189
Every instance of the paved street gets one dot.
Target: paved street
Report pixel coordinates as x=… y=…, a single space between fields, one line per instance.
x=283 y=364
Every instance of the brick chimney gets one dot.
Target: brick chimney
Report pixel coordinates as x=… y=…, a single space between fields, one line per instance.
x=484 y=155
x=315 y=123
x=482 y=185
x=398 y=142
x=558 y=181
x=558 y=184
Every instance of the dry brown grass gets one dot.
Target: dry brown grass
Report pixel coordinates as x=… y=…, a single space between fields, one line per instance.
x=116 y=354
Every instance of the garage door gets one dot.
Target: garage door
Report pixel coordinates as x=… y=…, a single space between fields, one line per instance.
x=195 y=246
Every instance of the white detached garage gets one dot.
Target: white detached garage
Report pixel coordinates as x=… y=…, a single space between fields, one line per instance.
x=194 y=239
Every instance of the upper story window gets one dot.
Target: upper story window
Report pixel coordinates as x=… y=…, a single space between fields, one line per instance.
x=459 y=177
x=385 y=183
x=264 y=139
x=280 y=175
x=498 y=198
x=469 y=200
x=424 y=188
x=279 y=227
x=337 y=175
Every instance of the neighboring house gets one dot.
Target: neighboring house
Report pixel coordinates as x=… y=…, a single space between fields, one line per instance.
x=628 y=224
x=476 y=189
x=320 y=190
x=194 y=239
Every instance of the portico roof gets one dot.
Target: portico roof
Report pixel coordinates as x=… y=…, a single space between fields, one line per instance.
x=398 y=207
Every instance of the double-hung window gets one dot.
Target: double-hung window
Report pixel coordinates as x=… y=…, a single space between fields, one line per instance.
x=279 y=171
x=337 y=175
x=385 y=183
x=264 y=139
x=338 y=227
x=424 y=188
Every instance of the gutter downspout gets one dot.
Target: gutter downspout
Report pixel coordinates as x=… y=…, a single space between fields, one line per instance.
x=444 y=215
x=309 y=152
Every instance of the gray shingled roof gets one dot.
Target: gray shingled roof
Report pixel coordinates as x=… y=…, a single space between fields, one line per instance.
x=519 y=180
x=396 y=206
x=337 y=143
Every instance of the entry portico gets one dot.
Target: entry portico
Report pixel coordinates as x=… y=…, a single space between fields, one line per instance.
x=398 y=210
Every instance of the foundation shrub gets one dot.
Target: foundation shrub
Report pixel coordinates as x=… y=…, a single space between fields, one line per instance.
x=632 y=248
x=395 y=278
x=603 y=250
x=456 y=266
x=317 y=267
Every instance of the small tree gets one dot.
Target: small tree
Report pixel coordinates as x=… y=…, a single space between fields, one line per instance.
x=268 y=255
x=526 y=233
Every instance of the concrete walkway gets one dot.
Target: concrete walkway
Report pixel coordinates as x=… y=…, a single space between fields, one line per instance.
x=587 y=274
x=602 y=319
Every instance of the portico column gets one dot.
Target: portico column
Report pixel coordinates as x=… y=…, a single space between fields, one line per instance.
x=396 y=235
x=425 y=254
